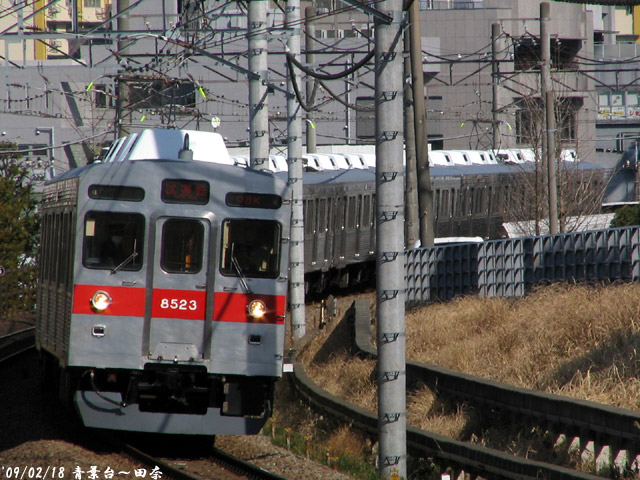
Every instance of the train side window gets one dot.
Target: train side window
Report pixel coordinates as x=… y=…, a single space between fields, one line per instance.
x=322 y=216
x=113 y=240
x=65 y=248
x=46 y=246
x=373 y=209
x=366 y=211
x=444 y=203
x=351 y=213
x=452 y=210
x=317 y=219
x=472 y=200
x=182 y=246
x=309 y=217
x=250 y=248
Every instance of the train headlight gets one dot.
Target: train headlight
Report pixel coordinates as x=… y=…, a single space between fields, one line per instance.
x=100 y=301
x=257 y=309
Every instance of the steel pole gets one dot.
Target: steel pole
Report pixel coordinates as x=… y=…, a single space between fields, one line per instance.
x=495 y=71
x=425 y=191
x=390 y=285
x=123 y=100
x=412 y=217
x=550 y=123
x=294 y=150
x=309 y=46
x=258 y=103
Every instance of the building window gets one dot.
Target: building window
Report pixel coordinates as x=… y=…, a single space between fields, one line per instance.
x=619 y=105
x=102 y=96
x=530 y=119
x=156 y=93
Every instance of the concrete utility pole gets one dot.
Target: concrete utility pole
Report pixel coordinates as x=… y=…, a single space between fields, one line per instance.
x=547 y=97
x=390 y=288
x=258 y=104
x=309 y=46
x=425 y=192
x=123 y=100
x=495 y=72
x=294 y=149
x=412 y=217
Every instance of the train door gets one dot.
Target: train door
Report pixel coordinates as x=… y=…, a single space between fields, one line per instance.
x=181 y=295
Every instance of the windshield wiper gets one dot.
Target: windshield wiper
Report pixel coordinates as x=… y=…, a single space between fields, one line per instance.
x=236 y=265
x=126 y=260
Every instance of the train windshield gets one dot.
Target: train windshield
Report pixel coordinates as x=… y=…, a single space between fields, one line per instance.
x=113 y=241
x=250 y=248
x=182 y=246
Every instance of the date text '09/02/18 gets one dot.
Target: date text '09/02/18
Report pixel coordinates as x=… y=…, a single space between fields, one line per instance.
x=93 y=473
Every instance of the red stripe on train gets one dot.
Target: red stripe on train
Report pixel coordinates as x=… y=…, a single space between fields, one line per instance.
x=232 y=307
x=126 y=301
x=182 y=304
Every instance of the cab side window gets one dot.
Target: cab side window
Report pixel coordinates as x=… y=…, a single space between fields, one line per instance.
x=250 y=248
x=113 y=240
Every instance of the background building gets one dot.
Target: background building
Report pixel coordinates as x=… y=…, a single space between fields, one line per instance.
x=85 y=71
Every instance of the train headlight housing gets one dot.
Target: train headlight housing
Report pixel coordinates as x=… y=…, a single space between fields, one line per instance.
x=257 y=309
x=100 y=301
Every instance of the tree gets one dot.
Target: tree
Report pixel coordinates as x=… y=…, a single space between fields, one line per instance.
x=579 y=191
x=19 y=228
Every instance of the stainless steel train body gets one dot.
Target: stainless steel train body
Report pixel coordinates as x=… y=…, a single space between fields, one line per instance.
x=468 y=201
x=163 y=294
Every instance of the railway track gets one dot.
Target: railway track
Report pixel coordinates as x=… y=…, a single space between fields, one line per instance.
x=14 y=344
x=219 y=464
x=232 y=467
x=602 y=429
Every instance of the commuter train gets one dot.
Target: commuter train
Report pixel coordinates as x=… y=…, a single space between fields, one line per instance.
x=470 y=192
x=163 y=273
x=162 y=293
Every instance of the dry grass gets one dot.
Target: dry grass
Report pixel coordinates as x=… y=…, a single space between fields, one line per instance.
x=577 y=340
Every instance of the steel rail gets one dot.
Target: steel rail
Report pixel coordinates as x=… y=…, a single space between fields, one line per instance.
x=14 y=344
x=222 y=458
x=470 y=458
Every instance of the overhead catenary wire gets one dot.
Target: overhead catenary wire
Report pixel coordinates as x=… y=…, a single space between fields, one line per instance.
x=170 y=61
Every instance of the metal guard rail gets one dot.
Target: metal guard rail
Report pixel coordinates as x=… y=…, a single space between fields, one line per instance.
x=472 y=458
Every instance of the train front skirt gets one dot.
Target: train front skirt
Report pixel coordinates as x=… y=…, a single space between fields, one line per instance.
x=103 y=411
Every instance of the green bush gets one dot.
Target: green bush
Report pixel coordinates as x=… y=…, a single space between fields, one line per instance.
x=626 y=216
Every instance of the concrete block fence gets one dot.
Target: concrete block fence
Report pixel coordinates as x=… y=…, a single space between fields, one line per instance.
x=511 y=267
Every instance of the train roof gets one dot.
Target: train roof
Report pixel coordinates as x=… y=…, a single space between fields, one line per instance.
x=338 y=176
x=360 y=175
x=161 y=143
x=143 y=172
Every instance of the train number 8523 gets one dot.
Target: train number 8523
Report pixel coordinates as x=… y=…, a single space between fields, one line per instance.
x=178 y=304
